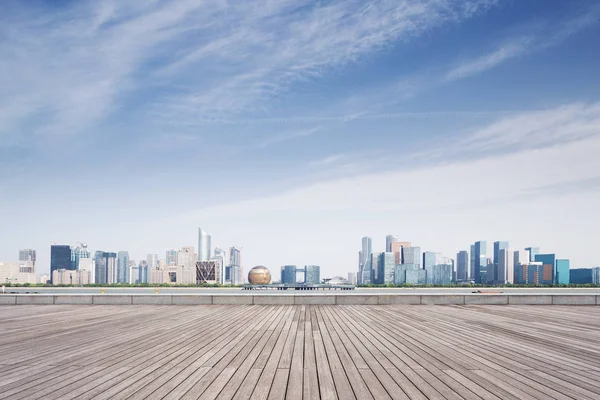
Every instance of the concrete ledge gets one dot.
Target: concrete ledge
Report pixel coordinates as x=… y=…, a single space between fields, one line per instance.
x=185 y=299
x=530 y=299
x=35 y=299
x=224 y=299
x=357 y=300
x=112 y=299
x=574 y=300
x=388 y=299
x=8 y=299
x=314 y=300
x=443 y=299
x=274 y=300
x=486 y=299
x=152 y=299
x=73 y=299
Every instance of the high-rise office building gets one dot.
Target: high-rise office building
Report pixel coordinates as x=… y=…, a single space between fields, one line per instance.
x=60 y=258
x=563 y=275
x=386 y=268
x=462 y=266
x=312 y=274
x=439 y=274
x=143 y=272
x=79 y=252
x=396 y=248
x=505 y=267
x=288 y=274
x=187 y=257
x=235 y=262
x=106 y=267
x=582 y=276
x=352 y=278
x=123 y=267
x=152 y=260
x=497 y=247
x=389 y=239
x=429 y=259
x=472 y=263
x=171 y=257
x=533 y=251
x=27 y=260
x=480 y=250
x=521 y=256
x=411 y=255
x=364 y=267
x=549 y=268
x=204 y=245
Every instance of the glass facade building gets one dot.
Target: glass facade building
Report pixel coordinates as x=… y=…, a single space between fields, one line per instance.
x=143 y=272
x=400 y=273
x=171 y=257
x=411 y=255
x=60 y=258
x=78 y=253
x=204 y=245
x=312 y=274
x=106 y=267
x=439 y=274
x=288 y=274
x=480 y=259
x=462 y=265
x=429 y=259
x=533 y=251
x=386 y=268
x=123 y=267
x=497 y=247
x=562 y=272
x=549 y=268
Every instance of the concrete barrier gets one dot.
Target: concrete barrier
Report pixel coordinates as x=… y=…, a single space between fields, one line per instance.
x=388 y=299
x=530 y=299
x=73 y=299
x=112 y=299
x=8 y=300
x=35 y=299
x=573 y=300
x=152 y=299
x=314 y=300
x=232 y=299
x=304 y=299
x=443 y=299
x=274 y=300
x=191 y=299
x=357 y=300
x=486 y=299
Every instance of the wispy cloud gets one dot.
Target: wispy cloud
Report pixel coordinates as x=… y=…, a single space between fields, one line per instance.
x=284 y=137
x=540 y=36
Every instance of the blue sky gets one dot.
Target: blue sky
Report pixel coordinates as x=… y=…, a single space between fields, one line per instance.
x=293 y=128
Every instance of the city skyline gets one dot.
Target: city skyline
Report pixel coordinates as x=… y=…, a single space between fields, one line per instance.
x=488 y=109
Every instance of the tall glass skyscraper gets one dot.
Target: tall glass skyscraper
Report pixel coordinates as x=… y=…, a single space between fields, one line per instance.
x=364 y=267
x=563 y=272
x=480 y=261
x=501 y=245
x=533 y=251
x=235 y=261
x=412 y=255
x=27 y=260
x=106 y=267
x=389 y=239
x=288 y=274
x=548 y=268
x=60 y=258
x=429 y=259
x=312 y=274
x=386 y=268
x=204 y=245
x=123 y=267
x=462 y=265
x=152 y=260
x=79 y=252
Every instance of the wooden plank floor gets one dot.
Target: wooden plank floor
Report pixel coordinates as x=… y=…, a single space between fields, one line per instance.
x=299 y=352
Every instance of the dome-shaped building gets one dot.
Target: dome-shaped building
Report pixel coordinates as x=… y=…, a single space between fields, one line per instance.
x=259 y=275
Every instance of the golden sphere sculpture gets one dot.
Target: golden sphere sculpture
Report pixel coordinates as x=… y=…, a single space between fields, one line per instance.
x=259 y=275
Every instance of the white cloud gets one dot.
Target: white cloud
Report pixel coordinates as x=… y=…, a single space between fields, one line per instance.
x=540 y=37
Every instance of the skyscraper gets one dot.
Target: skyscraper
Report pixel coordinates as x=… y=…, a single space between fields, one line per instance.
x=472 y=263
x=563 y=272
x=505 y=267
x=548 y=275
x=533 y=251
x=480 y=261
x=412 y=255
x=106 y=267
x=389 y=239
x=27 y=260
x=235 y=262
x=364 y=268
x=462 y=265
x=143 y=272
x=204 y=245
x=429 y=259
x=288 y=274
x=187 y=257
x=521 y=256
x=171 y=257
x=221 y=256
x=60 y=258
x=152 y=260
x=312 y=274
x=79 y=252
x=497 y=247
x=386 y=268
x=396 y=248
x=123 y=267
